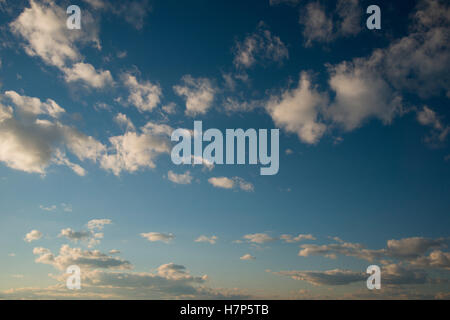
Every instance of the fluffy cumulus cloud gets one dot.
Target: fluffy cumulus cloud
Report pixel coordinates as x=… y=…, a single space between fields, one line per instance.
x=231 y=183
x=43 y=28
x=145 y=96
x=136 y=150
x=297 y=110
x=361 y=94
x=181 y=178
x=33 y=235
x=210 y=240
x=158 y=236
x=198 y=92
x=261 y=44
x=32 y=136
x=88 y=75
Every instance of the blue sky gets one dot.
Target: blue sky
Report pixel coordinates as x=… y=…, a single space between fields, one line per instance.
x=85 y=168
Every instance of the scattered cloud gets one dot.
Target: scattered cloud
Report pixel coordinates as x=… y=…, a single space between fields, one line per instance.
x=259 y=238
x=210 y=240
x=323 y=27
x=247 y=257
x=259 y=45
x=297 y=110
x=198 y=92
x=235 y=182
x=33 y=235
x=145 y=96
x=182 y=178
x=157 y=236
x=301 y=237
x=136 y=150
x=88 y=75
x=88 y=259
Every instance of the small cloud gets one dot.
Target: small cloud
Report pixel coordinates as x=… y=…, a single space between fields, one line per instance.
x=66 y=207
x=12 y=254
x=157 y=236
x=289 y=152
x=290 y=239
x=182 y=178
x=259 y=238
x=211 y=240
x=33 y=235
x=235 y=182
x=247 y=257
x=18 y=276
x=50 y=208
x=114 y=251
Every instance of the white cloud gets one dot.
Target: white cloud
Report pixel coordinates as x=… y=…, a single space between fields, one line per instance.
x=301 y=237
x=33 y=106
x=133 y=150
x=210 y=240
x=198 y=92
x=123 y=121
x=169 y=108
x=221 y=182
x=235 y=182
x=259 y=238
x=29 y=141
x=43 y=27
x=182 y=178
x=247 y=257
x=98 y=224
x=361 y=94
x=297 y=111
x=260 y=44
x=88 y=75
x=145 y=96
x=33 y=235
x=157 y=236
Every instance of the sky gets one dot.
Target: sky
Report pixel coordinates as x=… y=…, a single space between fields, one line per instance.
x=86 y=176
